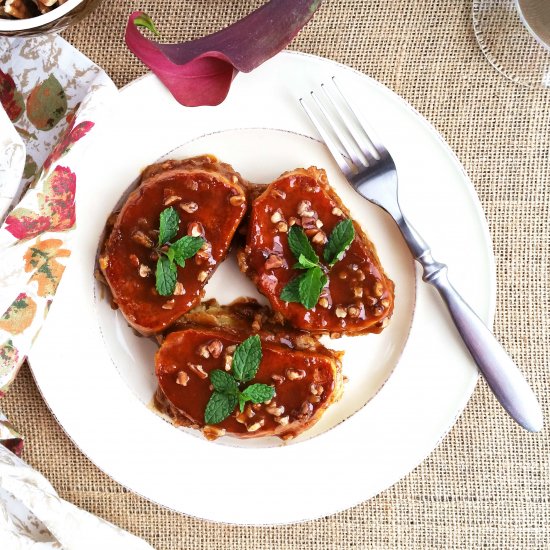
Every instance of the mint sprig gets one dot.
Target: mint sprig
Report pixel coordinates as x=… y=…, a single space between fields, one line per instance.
x=166 y=276
x=306 y=288
x=226 y=394
x=257 y=393
x=246 y=359
x=223 y=382
x=219 y=407
x=338 y=242
x=300 y=245
x=169 y=225
x=170 y=253
x=304 y=263
x=291 y=292
x=185 y=248
x=311 y=286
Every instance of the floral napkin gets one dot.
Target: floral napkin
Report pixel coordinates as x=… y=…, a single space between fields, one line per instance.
x=51 y=98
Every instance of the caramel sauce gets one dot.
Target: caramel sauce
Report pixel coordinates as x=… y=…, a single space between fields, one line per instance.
x=358 y=296
x=306 y=383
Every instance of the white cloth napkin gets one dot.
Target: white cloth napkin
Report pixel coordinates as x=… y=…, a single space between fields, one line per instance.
x=33 y=516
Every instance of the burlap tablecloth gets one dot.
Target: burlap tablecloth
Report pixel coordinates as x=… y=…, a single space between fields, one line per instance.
x=488 y=483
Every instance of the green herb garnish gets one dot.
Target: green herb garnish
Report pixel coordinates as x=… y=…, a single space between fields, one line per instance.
x=300 y=245
x=338 y=242
x=166 y=275
x=306 y=288
x=169 y=225
x=246 y=359
x=219 y=407
x=226 y=394
x=172 y=253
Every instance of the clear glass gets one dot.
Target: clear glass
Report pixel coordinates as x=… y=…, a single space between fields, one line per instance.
x=515 y=48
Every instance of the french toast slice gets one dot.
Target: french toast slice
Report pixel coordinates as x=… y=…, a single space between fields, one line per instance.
x=307 y=379
x=357 y=296
x=209 y=198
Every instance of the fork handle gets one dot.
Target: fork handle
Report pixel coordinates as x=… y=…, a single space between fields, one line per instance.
x=502 y=374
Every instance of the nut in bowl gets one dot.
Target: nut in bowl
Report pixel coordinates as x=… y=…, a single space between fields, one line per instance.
x=35 y=17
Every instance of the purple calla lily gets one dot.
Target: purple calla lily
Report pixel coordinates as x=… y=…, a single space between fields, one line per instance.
x=200 y=72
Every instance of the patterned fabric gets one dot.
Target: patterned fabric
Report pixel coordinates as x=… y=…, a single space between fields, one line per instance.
x=51 y=94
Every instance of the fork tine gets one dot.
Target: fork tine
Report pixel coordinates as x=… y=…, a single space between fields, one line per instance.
x=349 y=126
x=329 y=142
x=366 y=129
x=340 y=134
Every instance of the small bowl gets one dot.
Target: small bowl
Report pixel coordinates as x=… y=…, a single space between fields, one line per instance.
x=55 y=20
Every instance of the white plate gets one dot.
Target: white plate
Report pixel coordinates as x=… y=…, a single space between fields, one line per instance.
x=97 y=377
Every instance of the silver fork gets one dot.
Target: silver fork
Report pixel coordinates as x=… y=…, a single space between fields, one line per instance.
x=370 y=169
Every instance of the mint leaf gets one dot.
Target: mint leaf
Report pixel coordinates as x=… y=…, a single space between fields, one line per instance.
x=246 y=359
x=338 y=242
x=300 y=245
x=170 y=254
x=166 y=276
x=291 y=292
x=219 y=407
x=223 y=382
x=169 y=224
x=304 y=263
x=310 y=287
x=185 y=248
x=306 y=288
x=258 y=393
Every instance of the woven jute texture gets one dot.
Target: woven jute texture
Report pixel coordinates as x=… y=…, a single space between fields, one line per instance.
x=487 y=485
